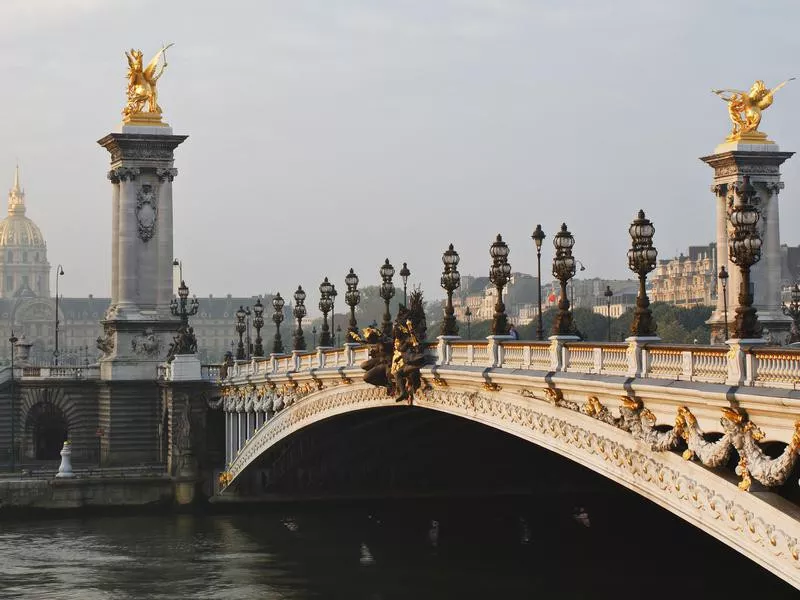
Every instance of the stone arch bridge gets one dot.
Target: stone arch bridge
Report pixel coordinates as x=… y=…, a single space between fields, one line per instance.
x=661 y=420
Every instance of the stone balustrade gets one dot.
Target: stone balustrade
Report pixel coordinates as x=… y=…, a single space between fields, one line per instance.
x=53 y=372
x=736 y=364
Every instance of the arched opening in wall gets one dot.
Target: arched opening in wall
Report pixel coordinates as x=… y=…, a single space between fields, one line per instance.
x=46 y=431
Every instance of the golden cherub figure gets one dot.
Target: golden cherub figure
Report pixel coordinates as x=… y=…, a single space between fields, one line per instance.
x=744 y=108
x=142 y=84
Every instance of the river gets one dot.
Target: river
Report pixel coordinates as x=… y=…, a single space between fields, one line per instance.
x=488 y=548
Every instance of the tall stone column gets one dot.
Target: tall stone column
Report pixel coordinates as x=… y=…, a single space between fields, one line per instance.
x=731 y=161
x=139 y=326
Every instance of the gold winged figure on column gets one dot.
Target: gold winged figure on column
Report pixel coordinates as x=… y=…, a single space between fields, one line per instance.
x=142 y=90
x=745 y=107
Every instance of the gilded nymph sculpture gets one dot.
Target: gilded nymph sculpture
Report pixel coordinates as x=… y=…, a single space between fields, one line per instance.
x=744 y=109
x=142 y=81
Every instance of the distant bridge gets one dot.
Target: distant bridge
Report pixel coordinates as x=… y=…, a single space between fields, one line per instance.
x=662 y=420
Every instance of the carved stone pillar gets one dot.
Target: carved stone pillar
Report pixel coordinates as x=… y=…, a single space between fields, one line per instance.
x=731 y=162
x=138 y=326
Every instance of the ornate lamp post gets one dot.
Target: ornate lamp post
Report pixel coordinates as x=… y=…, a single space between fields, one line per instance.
x=641 y=260
x=299 y=313
x=387 y=293
x=277 y=318
x=240 y=329
x=451 y=281
x=723 y=279
x=563 y=270
x=258 y=323
x=59 y=273
x=183 y=309
x=468 y=317
x=332 y=295
x=325 y=305
x=248 y=345
x=13 y=340
x=499 y=275
x=744 y=248
x=608 y=294
x=352 y=297
x=405 y=273
x=538 y=237
x=793 y=310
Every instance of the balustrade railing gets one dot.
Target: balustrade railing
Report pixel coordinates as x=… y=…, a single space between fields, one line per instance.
x=763 y=366
x=61 y=372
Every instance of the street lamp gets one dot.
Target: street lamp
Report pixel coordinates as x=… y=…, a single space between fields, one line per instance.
x=538 y=237
x=405 y=273
x=277 y=318
x=744 y=248
x=641 y=260
x=185 y=342
x=451 y=281
x=314 y=336
x=468 y=317
x=793 y=310
x=249 y=344
x=240 y=329
x=179 y=264
x=563 y=270
x=299 y=312
x=608 y=294
x=13 y=340
x=332 y=295
x=59 y=273
x=258 y=323
x=387 y=293
x=352 y=297
x=325 y=304
x=499 y=275
x=723 y=279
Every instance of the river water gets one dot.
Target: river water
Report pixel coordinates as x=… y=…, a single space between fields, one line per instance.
x=487 y=548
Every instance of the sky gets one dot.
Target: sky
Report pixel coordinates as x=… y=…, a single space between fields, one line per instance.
x=328 y=135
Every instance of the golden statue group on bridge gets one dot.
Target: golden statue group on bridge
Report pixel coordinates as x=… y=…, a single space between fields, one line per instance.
x=744 y=109
x=142 y=90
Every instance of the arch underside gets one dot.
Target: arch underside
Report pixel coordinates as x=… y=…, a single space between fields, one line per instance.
x=761 y=526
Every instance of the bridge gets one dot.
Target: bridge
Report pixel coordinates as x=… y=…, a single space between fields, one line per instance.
x=710 y=433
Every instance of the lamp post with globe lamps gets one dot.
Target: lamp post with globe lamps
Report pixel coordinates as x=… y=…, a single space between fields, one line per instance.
x=744 y=248
x=641 y=260
x=468 y=317
x=352 y=297
x=240 y=329
x=405 y=273
x=563 y=270
x=451 y=281
x=608 y=294
x=499 y=275
x=277 y=318
x=325 y=304
x=299 y=313
x=258 y=323
x=723 y=279
x=387 y=293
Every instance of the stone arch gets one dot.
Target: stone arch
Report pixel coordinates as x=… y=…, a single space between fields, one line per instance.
x=45 y=414
x=763 y=529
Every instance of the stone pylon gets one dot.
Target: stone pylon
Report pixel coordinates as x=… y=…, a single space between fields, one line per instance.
x=731 y=161
x=138 y=325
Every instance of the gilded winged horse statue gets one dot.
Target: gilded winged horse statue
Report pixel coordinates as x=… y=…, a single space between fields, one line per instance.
x=142 y=83
x=744 y=108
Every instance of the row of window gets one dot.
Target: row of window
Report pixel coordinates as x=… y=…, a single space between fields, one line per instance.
x=10 y=256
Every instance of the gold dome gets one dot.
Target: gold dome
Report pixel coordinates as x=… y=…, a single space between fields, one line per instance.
x=17 y=229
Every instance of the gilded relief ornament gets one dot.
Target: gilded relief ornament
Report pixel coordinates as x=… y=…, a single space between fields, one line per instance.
x=745 y=107
x=142 y=81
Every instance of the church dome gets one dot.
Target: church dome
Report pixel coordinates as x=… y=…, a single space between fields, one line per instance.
x=17 y=230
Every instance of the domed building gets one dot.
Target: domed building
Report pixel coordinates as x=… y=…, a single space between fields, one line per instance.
x=24 y=269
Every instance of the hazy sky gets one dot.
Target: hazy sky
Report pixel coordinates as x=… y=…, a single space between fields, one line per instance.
x=325 y=135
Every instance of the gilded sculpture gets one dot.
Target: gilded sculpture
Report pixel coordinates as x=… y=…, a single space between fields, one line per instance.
x=745 y=107
x=142 y=87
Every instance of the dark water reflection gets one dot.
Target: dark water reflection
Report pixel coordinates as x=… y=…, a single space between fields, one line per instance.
x=477 y=548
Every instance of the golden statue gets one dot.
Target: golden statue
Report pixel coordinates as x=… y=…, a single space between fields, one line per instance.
x=745 y=109
x=142 y=88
